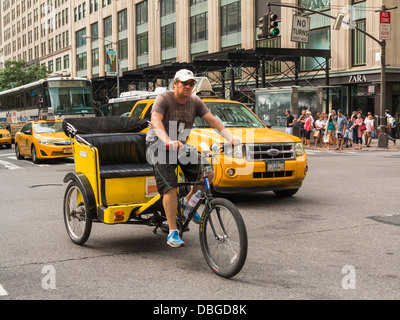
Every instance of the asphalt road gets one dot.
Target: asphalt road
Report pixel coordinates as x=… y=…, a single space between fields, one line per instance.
x=337 y=238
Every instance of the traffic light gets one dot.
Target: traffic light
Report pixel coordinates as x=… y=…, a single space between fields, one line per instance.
x=273 y=31
x=263 y=26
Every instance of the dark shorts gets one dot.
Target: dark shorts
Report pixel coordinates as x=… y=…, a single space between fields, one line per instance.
x=166 y=175
x=165 y=163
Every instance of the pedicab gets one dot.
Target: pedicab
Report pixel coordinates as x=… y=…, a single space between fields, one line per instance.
x=113 y=183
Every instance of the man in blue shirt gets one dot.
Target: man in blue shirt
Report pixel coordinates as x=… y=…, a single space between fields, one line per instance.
x=341 y=129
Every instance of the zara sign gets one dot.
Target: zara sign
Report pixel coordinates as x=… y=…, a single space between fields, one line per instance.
x=358 y=78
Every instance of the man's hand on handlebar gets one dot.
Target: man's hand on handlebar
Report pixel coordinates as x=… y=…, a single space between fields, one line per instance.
x=235 y=141
x=174 y=145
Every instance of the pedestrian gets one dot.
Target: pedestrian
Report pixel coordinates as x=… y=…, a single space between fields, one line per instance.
x=348 y=135
x=319 y=125
x=290 y=120
x=172 y=117
x=357 y=126
x=308 y=128
x=391 y=126
x=301 y=120
x=340 y=129
x=370 y=126
x=331 y=132
x=354 y=128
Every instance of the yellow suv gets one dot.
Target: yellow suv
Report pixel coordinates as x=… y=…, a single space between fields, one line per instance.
x=266 y=160
x=42 y=139
x=5 y=137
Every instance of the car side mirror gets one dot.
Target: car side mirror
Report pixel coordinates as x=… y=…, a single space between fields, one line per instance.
x=28 y=132
x=267 y=123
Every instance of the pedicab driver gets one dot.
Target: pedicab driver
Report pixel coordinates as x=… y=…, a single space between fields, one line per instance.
x=172 y=117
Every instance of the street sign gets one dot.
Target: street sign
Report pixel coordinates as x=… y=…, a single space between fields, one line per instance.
x=300 y=29
x=385 y=24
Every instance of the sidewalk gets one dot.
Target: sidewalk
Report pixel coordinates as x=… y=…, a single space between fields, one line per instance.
x=374 y=145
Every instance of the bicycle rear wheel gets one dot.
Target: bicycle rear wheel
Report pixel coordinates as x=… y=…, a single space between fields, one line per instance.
x=223 y=238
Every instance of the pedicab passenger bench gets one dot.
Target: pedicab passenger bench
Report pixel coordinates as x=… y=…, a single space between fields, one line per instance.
x=115 y=162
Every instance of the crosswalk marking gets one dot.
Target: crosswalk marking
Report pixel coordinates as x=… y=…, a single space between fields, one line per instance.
x=3 y=292
x=9 y=165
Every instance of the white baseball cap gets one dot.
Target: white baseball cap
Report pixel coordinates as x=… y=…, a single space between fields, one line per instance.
x=184 y=75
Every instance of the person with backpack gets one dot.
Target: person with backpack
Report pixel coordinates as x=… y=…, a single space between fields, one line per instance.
x=391 y=126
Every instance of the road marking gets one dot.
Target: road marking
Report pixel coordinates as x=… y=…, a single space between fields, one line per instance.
x=2 y=291
x=9 y=165
x=7 y=154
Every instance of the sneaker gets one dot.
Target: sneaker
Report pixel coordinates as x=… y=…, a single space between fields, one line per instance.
x=196 y=217
x=174 y=240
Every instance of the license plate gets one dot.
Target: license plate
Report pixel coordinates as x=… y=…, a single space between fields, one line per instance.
x=67 y=150
x=275 y=166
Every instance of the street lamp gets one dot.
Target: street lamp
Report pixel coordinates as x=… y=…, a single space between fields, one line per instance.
x=117 y=54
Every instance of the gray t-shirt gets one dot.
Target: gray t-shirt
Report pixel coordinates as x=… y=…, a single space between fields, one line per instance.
x=178 y=118
x=341 y=124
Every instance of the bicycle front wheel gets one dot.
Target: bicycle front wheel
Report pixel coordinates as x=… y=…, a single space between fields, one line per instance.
x=223 y=238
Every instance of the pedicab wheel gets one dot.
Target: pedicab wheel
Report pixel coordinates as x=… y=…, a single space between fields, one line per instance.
x=76 y=213
x=223 y=238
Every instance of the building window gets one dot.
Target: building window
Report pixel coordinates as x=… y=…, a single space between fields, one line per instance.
x=142 y=43
x=80 y=41
x=194 y=2
x=123 y=49
x=81 y=62
x=167 y=7
x=168 y=39
x=95 y=57
x=315 y=5
x=318 y=39
x=94 y=31
x=58 y=64
x=107 y=27
x=199 y=27
x=66 y=61
x=50 y=65
x=122 y=20
x=231 y=18
x=358 y=44
x=141 y=13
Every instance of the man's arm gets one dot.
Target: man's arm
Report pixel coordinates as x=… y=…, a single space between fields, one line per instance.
x=218 y=126
x=159 y=129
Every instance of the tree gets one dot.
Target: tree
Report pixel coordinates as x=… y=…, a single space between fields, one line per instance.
x=17 y=73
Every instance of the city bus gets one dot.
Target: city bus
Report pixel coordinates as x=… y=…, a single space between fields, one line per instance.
x=68 y=97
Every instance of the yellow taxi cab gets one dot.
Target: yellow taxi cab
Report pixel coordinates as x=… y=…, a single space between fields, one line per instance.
x=5 y=137
x=267 y=160
x=42 y=139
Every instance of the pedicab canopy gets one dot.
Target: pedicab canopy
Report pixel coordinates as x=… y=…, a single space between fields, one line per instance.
x=73 y=126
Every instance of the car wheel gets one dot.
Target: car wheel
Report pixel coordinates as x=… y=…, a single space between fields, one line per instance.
x=34 y=155
x=8 y=146
x=17 y=153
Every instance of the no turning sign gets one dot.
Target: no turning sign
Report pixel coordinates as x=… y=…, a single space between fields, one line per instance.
x=300 y=29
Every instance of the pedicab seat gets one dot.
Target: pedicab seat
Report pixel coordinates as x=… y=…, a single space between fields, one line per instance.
x=120 y=144
x=121 y=154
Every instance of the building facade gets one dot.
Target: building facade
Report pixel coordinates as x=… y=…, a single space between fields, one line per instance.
x=72 y=37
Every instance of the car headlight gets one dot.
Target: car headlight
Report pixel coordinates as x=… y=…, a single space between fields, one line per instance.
x=45 y=142
x=299 y=148
x=233 y=151
x=6 y=135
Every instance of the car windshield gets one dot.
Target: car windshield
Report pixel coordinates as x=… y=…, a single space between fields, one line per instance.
x=231 y=115
x=48 y=127
x=1 y=126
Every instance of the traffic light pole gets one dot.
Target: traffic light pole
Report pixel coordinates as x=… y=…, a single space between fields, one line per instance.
x=382 y=138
